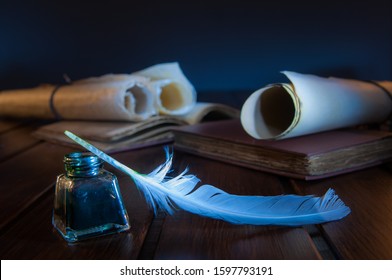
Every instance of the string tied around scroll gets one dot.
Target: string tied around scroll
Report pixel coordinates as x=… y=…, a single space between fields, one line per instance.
x=52 y=107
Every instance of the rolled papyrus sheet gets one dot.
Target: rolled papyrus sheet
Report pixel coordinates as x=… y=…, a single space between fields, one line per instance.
x=312 y=104
x=108 y=97
x=175 y=94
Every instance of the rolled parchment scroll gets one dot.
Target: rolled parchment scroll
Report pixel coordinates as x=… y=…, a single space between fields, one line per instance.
x=132 y=97
x=312 y=104
x=175 y=95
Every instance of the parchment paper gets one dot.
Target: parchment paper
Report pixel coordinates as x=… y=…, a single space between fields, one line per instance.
x=162 y=88
x=313 y=104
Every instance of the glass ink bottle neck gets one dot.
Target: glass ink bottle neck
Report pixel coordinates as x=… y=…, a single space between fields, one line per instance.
x=82 y=164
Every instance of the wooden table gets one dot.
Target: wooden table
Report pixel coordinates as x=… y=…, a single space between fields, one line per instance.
x=28 y=170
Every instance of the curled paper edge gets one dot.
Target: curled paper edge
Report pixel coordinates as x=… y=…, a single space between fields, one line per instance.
x=175 y=95
x=133 y=99
x=136 y=99
x=312 y=104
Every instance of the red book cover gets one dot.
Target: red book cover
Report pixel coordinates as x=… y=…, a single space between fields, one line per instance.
x=361 y=148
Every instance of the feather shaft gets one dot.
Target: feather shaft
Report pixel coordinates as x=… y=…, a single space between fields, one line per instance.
x=181 y=192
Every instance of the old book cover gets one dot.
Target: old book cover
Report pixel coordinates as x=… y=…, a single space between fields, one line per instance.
x=307 y=157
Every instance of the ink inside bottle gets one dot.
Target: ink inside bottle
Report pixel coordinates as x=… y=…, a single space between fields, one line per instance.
x=88 y=201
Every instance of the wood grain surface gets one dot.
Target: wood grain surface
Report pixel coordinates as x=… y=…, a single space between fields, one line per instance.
x=28 y=170
x=367 y=232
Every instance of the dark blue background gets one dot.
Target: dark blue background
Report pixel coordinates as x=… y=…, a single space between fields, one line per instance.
x=220 y=45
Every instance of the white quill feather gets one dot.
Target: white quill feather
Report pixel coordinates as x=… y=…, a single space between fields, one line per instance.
x=181 y=192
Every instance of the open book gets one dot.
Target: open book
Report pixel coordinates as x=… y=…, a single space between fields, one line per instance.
x=306 y=157
x=116 y=136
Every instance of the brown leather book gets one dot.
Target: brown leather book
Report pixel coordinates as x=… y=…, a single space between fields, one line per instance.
x=307 y=157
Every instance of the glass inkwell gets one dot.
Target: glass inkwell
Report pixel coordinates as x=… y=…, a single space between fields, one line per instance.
x=88 y=201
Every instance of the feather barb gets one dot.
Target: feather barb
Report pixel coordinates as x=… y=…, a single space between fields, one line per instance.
x=171 y=193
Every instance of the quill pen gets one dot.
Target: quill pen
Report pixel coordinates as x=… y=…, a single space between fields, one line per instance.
x=171 y=193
